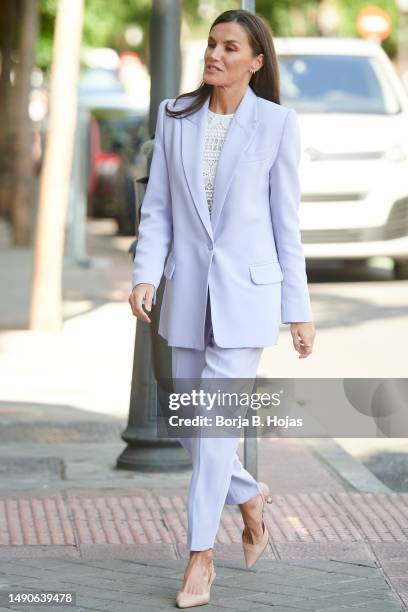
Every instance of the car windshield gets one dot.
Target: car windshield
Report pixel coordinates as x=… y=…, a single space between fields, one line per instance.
x=336 y=84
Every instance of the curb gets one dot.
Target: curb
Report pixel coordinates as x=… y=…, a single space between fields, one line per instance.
x=347 y=470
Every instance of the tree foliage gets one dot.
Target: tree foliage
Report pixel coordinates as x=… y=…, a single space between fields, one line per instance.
x=106 y=21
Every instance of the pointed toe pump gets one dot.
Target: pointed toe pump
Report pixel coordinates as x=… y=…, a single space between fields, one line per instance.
x=189 y=600
x=252 y=552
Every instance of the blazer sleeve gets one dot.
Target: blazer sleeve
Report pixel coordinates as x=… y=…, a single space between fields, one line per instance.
x=155 y=230
x=284 y=192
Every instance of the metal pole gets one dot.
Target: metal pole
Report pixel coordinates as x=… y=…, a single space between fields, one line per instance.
x=165 y=55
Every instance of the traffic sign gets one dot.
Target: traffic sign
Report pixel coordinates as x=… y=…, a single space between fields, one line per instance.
x=374 y=22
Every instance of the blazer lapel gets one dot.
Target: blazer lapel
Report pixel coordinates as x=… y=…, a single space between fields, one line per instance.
x=192 y=145
x=239 y=135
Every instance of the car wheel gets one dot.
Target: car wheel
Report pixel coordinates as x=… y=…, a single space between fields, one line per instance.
x=401 y=269
x=125 y=226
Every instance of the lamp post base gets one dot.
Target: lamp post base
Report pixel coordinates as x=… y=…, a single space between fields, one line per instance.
x=166 y=456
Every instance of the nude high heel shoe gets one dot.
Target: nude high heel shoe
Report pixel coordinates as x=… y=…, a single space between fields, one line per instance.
x=189 y=600
x=252 y=552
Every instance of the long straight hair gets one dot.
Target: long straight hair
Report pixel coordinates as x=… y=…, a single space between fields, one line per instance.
x=264 y=82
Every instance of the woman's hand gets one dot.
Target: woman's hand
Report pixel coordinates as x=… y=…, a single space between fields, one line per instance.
x=303 y=335
x=142 y=293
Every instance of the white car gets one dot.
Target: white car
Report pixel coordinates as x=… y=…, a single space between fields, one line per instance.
x=353 y=114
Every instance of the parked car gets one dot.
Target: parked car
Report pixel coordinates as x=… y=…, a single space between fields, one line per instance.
x=116 y=163
x=353 y=114
x=116 y=132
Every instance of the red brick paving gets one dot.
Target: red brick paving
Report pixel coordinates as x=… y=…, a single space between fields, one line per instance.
x=142 y=517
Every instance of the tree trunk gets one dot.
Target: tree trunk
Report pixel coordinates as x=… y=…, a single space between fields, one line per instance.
x=22 y=203
x=46 y=299
x=8 y=42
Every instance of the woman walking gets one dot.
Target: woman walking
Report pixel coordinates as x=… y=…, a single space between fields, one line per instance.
x=223 y=197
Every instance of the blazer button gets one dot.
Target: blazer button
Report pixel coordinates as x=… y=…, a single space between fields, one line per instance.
x=210 y=246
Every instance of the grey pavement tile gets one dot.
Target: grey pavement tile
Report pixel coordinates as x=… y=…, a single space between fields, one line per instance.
x=124 y=598
x=34 y=552
x=385 y=604
x=133 y=565
x=78 y=609
x=331 y=565
x=66 y=570
x=257 y=583
x=357 y=585
x=314 y=551
x=140 y=552
x=347 y=608
x=102 y=584
x=388 y=606
x=20 y=581
x=338 y=567
x=147 y=585
x=125 y=571
x=305 y=574
x=271 y=599
x=293 y=589
x=103 y=605
x=275 y=609
x=306 y=582
x=363 y=562
x=233 y=603
x=326 y=602
x=311 y=580
x=41 y=563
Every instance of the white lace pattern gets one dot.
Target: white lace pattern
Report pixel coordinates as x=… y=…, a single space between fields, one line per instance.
x=217 y=127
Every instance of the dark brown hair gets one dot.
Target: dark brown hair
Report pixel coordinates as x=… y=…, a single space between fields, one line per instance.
x=264 y=82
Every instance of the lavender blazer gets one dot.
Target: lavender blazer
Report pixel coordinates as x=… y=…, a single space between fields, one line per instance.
x=248 y=253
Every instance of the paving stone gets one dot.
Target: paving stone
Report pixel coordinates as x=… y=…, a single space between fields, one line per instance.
x=397 y=569
x=58 y=432
x=41 y=467
x=116 y=518
x=386 y=606
x=39 y=552
x=324 y=551
x=139 y=552
x=227 y=603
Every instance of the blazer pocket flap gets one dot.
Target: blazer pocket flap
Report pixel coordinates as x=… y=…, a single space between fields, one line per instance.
x=169 y=268
x=262 y=274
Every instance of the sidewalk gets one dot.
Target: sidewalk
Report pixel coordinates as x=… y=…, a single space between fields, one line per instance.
x=69 y=520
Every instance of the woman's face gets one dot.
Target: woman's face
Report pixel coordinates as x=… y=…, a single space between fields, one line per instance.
x=230 y=54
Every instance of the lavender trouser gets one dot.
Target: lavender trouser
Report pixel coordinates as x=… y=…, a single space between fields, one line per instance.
x=218 y=475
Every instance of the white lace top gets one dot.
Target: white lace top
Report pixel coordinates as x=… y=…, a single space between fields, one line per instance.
x=217 y=127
